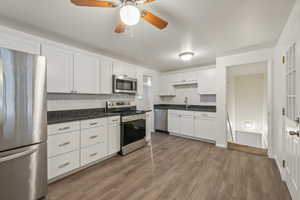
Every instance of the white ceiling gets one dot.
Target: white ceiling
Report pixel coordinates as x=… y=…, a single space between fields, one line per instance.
x=207 y=27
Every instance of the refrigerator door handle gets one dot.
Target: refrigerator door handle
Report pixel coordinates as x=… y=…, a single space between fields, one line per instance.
x=17 y=155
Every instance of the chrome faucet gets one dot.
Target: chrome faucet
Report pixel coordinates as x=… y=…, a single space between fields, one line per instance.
x=186 y=102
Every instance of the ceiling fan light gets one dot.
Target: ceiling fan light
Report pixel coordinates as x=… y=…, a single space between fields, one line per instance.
x=186 y=56
x=130 y=15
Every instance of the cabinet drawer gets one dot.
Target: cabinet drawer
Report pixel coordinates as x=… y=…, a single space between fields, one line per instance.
x=93 y=153
x=93 y=136
x=114 y=120
x=205 y=115
x=63 y=127
x=62 y=164
x=93 y=123
x=63 y=143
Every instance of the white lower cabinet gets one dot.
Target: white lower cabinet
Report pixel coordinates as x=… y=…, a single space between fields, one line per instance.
x=201 y=125
x=173 y=121
x=63 y=164
x=76 y=144
x=63 y=143
x=114 y=138
x=93 y=153
x=187 y=124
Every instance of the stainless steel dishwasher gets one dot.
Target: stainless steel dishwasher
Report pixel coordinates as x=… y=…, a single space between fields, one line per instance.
x=161 y=120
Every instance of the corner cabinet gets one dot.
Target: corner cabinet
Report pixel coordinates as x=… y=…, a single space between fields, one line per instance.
x=59 y=69
x=207 y=81
x=86 y=74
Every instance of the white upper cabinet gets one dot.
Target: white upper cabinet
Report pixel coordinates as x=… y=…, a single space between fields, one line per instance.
x=166 y=87
x=86 y=74
x=59 y=69
x=106 y=73
x=207 y=81
x=185 y=78
x=122 y=69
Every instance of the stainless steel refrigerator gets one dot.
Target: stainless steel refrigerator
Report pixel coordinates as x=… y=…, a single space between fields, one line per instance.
x=23 y=130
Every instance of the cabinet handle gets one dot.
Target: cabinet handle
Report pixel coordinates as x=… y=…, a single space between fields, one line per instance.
x=64 y=165
x=115 y=120
x=93 y=154
x=94 y=136
x=64 y=144
x=95 y=123
x=64 y=128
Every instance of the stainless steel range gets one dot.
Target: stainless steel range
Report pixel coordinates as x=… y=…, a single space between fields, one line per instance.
x=133 y=125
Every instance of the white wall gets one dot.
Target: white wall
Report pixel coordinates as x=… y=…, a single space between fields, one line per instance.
x=249 y=101
x=263 y=55
x=290 y=34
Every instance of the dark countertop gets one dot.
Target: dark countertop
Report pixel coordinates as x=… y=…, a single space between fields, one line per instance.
x=182 y=107
x=55 y=117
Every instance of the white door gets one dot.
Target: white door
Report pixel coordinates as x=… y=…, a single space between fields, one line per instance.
x=86 y=74
x=106 y=72
x=59 y=69
x=291 y=133
x=187 y=124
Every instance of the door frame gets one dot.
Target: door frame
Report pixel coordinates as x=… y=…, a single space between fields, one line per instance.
x=269 y=64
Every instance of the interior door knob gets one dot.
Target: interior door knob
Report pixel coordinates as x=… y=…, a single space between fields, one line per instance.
x=294 y=133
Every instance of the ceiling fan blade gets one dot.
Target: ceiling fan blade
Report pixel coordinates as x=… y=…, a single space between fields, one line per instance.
x=149 y=1
x=154 y=20
x=94 y=3
x=120 y=28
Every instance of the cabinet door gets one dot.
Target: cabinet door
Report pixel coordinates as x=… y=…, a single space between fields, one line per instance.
x=114 y=139
x=106 y=73
x=205 y=128
x=207 y=81
x=86 y=74
x=173 y=122
x=166 y=87
x=187 y=124
x=59 y=69
x=118 y=68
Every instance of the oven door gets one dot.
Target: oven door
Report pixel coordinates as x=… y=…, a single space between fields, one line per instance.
x=133 y=131
x=124 y=85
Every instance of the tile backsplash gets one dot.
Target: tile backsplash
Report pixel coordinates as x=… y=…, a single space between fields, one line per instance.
x=190 y=91
x=76 y=101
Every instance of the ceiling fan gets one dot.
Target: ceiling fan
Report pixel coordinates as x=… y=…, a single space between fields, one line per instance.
x=130 y=14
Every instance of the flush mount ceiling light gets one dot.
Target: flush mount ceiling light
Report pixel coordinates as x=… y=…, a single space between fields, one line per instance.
x=130 y=15
x=186 y=56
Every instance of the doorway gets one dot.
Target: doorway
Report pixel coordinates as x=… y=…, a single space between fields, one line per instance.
x=247 y=107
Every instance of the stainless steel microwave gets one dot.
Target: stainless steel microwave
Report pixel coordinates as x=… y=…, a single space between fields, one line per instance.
x=123 y=84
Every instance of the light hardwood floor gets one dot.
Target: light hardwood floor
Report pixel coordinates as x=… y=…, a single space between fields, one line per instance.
x=176 y=169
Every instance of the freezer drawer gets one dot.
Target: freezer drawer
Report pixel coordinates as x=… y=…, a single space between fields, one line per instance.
x=161 y=120
x=23 y=173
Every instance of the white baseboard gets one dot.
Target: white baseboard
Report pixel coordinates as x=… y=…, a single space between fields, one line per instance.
x=279 y=166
